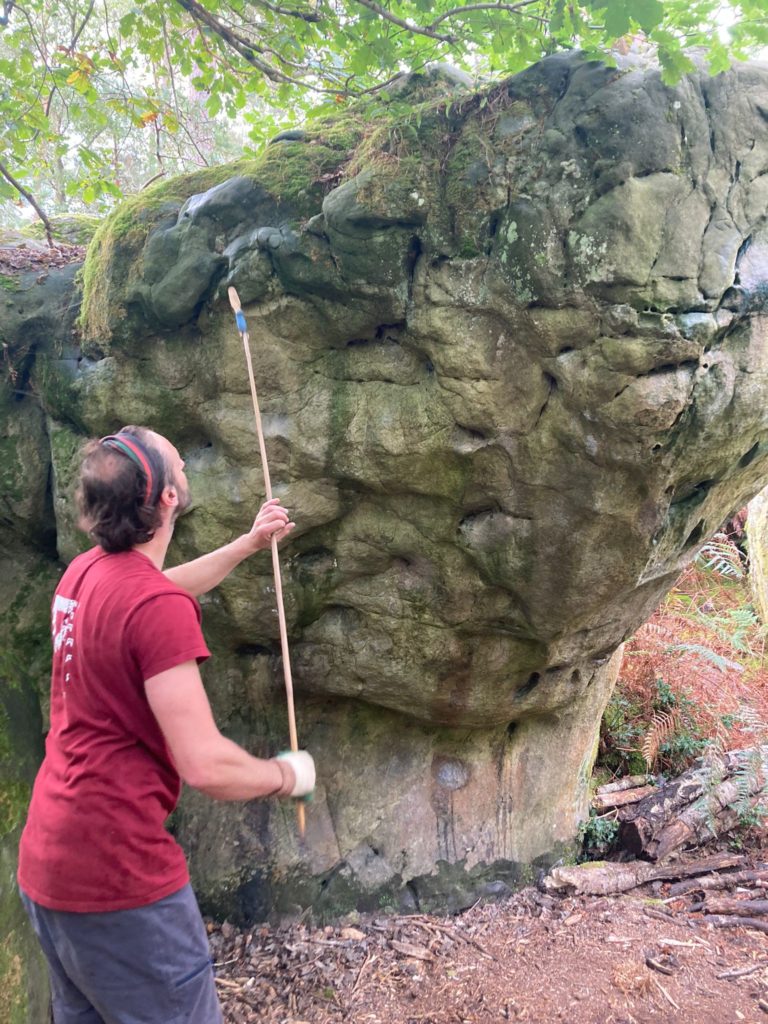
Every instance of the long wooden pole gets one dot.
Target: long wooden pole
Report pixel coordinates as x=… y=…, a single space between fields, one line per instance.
x=234 y=301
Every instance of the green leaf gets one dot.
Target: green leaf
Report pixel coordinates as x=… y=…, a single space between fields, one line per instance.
x=127 y=25
x=647 y=13
x=617 y=20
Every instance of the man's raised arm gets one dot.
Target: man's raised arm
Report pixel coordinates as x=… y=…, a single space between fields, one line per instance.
x=203 y=574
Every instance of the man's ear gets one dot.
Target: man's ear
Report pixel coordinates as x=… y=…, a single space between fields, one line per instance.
x=169 y=496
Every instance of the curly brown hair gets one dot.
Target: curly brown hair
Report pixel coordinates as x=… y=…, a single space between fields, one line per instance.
x=117 y=501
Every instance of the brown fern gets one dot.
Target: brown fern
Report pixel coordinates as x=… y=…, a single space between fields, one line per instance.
x=663 y=725
x=657 y=629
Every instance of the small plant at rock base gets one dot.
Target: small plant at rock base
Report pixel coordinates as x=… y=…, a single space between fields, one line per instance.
x=620 y=732
x=598 y=834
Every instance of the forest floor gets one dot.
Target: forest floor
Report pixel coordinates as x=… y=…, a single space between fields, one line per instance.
x=534 y=957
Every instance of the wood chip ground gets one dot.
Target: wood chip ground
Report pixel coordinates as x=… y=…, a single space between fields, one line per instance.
x=629 y=959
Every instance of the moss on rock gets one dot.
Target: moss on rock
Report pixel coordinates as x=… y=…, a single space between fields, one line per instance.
x=73 y=228
x=26 y=583
x=291 y=172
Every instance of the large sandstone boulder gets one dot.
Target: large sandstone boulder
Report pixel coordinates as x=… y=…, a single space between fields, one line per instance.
x=512 y=357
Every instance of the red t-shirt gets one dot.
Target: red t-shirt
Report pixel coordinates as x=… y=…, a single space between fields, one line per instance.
x=95 y=837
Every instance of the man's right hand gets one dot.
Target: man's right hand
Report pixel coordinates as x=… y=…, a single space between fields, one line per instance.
x=300 y=765
x=272 y=520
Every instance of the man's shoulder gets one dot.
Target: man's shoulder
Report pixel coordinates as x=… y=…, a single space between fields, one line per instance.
x=78 y=567
x=130 y=576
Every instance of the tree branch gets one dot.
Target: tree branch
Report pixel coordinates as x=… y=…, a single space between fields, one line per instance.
x=409 y=26
x=245 y=47
x=78 y=32
x=506 y=8
x=30 y=199
x=229 y=35
x=310 y=16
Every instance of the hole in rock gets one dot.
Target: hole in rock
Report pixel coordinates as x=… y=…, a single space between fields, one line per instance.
x=311 y=557
x=657 y=447
x=481 y=513
x=387 y=331
x=750 y=455
x=511 y=730
x=476 y=435
x=401 y=562
x=581 y=134
x=412 y=256
x=530 y=684
x=602 y=656
x=743 y=249
x=412 y=889
x=736 y=299
x=695 y=495
x=695 y=535
x=575 y=677
x=564 y=351
x=252 y=651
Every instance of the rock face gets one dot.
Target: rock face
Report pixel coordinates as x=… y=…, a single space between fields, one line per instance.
x=757 y=532
x=512 y=356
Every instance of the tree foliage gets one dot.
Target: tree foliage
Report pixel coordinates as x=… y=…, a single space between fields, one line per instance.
x=97 y=96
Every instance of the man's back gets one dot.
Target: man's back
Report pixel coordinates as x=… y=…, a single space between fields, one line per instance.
x=95 y=837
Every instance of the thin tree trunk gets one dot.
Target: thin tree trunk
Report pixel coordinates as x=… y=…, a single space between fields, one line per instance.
x=30 y=199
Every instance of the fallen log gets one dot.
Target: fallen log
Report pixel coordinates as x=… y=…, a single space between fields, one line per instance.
x=600 y=878
x=706 y=819
x=742 y=908
x=626 y=782
x=705 y=801
x=621 y=797
x=724 y=881
x=649 y=816
x=723 y=921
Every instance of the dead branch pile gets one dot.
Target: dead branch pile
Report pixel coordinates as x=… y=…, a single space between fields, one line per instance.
x=721 y=791
x=659 y=822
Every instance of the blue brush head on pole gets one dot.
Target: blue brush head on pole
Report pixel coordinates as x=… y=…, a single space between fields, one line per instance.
x=240 y=321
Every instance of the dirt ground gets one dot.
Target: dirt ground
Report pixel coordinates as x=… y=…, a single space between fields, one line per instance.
x=534 y=957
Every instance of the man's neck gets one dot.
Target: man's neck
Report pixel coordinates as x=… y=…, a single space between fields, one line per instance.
x=155 y=549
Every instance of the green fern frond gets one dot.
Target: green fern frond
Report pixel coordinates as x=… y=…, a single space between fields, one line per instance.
x=752 y=721
x=721 y=663
x=721 y=556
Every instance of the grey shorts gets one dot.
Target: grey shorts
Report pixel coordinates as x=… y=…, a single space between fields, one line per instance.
x=150 y=965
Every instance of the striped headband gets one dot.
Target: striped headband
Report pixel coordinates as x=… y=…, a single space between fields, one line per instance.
x=136 y=452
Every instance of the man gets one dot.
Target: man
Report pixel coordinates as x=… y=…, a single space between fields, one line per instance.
x=105 y=885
